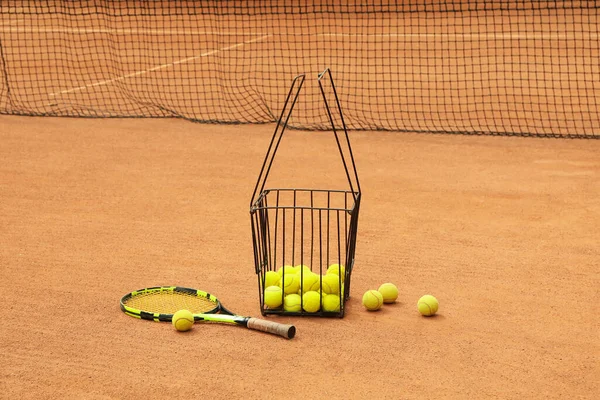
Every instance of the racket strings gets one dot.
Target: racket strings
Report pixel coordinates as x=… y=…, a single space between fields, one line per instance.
x=169 y=302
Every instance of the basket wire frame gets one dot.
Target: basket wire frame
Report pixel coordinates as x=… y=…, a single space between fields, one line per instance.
x=315 y=228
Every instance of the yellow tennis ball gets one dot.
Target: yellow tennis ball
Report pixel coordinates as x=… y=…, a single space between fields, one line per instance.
x=331 y=303
x=310 y=282
x=290 y=283
x=272 y=278
x=389 y=291
x=331 y=284
x=286 y=269
x=372 y=300
x=311 y=301
x=183 y=320
x=273 y=296
x=337 y=269
x=292 y=302
x=428 y=305
x=304 y=268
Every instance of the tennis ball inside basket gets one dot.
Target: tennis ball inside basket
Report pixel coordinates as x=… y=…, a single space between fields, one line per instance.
x=310 y=282
x=331 y=284
x=311 y=301
x=372 y=300
x=337 y=269
x=272 y=278
x=428 y=305
x=304 y=268
x=292 y=302
x=389 y=291
x=286 y=269
x=290 y=283
x=183 y=320
x=331 y=303
x=273 y=296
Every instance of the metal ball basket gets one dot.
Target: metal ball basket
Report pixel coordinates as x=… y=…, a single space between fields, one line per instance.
x=312 y=230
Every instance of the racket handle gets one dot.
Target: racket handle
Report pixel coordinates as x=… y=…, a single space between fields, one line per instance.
x=287 y=331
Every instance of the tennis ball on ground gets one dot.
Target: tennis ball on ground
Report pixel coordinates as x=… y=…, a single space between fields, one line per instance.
x=331 y=303
x=310 y=281
x=331 y=284
x=290 y=283
x=428 y=305
x=372 y=300
x=389 y=291
x=311 y=301
x=337 y=269
x=273 y=296
x=292 y=302
x=272 y=278
x=183 y=320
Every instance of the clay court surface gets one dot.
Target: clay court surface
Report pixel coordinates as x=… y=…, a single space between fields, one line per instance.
x=503 y=231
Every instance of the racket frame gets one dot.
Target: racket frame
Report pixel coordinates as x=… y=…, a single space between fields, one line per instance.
x=217 y=314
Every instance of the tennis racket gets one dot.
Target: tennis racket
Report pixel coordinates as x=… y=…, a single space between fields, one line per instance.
x=161 y=302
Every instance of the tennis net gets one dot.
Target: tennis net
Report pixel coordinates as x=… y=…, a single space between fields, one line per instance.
x=528 y=68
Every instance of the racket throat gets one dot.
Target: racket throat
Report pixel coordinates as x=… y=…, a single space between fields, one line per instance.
x=232 y=319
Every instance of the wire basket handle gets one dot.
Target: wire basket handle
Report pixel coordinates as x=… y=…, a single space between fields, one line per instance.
x=282 y=122
x=324 y=79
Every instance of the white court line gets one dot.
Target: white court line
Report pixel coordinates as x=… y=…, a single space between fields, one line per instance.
x=158 y=67
x=117 y=31
x=13 y=21
x=552 y=36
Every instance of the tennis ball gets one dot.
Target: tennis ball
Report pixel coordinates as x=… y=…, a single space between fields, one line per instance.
x=331 y=284
x=331 y=303
x=372 y=300
x=292 y=302
x=310 y=281
x=286 y=269
x=273 y=296
x=311 y=301
x=336 y=269
x=304 y=268
x=290 y=283
x=389 y=291
x=183 y=320
x=428 y=305
x=272 y=278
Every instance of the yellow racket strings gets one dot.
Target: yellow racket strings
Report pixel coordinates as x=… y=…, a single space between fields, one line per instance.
x=169 y=302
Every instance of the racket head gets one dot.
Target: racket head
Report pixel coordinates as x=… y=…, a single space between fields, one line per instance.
x=159 y=303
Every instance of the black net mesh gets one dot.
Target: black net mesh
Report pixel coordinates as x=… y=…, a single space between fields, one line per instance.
x=468 y=66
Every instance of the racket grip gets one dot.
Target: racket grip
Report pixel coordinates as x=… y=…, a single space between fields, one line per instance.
x=287 y=331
